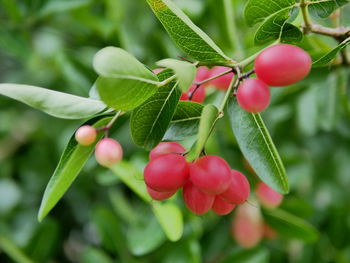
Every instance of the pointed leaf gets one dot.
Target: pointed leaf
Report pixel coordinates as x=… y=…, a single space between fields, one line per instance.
x=257 y=147
x=57 y=104
x=14 y=252
x=324 y=8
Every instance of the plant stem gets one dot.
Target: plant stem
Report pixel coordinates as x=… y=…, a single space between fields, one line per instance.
x=234 y=83
x=166 y=81
x=303 y=7
x=214 y=77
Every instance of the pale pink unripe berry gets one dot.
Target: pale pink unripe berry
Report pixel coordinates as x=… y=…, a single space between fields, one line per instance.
x=267 y=196
x=222 y=82
x=108 y=152
x=86 y=135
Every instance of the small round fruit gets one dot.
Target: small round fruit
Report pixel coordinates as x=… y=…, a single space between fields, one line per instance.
x=282 y=65
x=221 y=207
x=86 y=135
x=159 y=196
x=203 y=73
x=267 y=196
x=253 y=95
x=198 y=96
x=108 y=152
x=239 y=189
x=222 y=82
x=211 y=174
x=166 y=147
x=166 y=173
x=195 y=200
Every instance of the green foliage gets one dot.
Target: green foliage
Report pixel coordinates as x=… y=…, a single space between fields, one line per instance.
x=325 y=59
x=323 y=9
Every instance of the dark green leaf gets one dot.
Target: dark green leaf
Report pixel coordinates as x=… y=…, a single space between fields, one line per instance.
x=257 y=147
x=255 y=255
x=13 y=251
x=190 y=38
x=57 y=104
x=93 y=255
x=150 y=120
x=324 y=8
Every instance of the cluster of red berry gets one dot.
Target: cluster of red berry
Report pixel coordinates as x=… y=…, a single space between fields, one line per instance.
x=208 y=183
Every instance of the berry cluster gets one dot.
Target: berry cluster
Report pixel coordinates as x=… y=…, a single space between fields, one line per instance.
x=107 y=151
x=208 y=183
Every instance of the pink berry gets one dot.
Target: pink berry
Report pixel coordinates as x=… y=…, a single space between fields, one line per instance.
x=221 y=207
x=282 y=65
x=203 y=73
x=267 y=196
x=166 y=173
x=253 y=95
x=86 y=135
x=157 y=70
x=199 y=95
x=159 y=196
x=211 y=174
x=108 y=152
x=238 y=190
x=166 y=147
x=195 y=200
x=222 y=82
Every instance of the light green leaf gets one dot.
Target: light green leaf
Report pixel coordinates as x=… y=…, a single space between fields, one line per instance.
x=14 y=252
x=72 y=161
x=185 y=121
x=324 y=8
x=93 y=255
x=170 y=218
x=185 y=72
x=189 y=38
x=57 y=104
x=257 y=147
x=150 y=120
x=124 y=82
x=290 y=226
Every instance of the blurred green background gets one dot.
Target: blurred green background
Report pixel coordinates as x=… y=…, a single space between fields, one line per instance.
x=50 y=43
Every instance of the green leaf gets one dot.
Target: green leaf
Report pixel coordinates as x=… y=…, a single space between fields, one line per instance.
x=210 y=115
x=189 y=38
x=257 y=147
x=185 y=72
x=290 y=226
x=324 y=60
x=324 y=8
x=72 y=161
x=124 y=82
x=93 y=255
x=273 y=16
x=254 y=255
x=150 y=120
x=14 y=252
x=57 y=104
x=185 y=121
x=170 y=218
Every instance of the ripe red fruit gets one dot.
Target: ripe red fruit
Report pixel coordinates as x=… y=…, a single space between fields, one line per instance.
x=211 y=174
x=238 y=190
x=166 y=173
x=253 y=95
x=166 y=147
x=203 y=73
x=159 y=196
x=108 y=152
x=195 y=200
x=282 y=65
x=221 y=207
x=267 y=196
x=198 y=96
x=222 y=82
x=86 y=135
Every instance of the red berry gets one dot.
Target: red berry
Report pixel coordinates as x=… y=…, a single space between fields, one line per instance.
x=195 y=200
x=86 y=135
x=211 y=174
x=166 y=173
x=267 y=196
x=202 y=74
x=222 y=82
x=166 y=147
x=198 y=96
x=239 y=189
x=159 y=196
x=221 y=207
x=108 y=152
x=253 y=95
x=282 y=65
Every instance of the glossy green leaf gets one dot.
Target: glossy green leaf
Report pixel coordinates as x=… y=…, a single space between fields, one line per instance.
x=72 y=161
x=210 y=115
x=324 y=60
x=93 y=255
x=324 y=8
x=13 y=251
x=189 y=38
x=254 y=255
x=257 y=147
x=170 y=218
x=290 y=226
x=124 y=82
x=185 y=121
x=57 y=104
x=150 y=120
